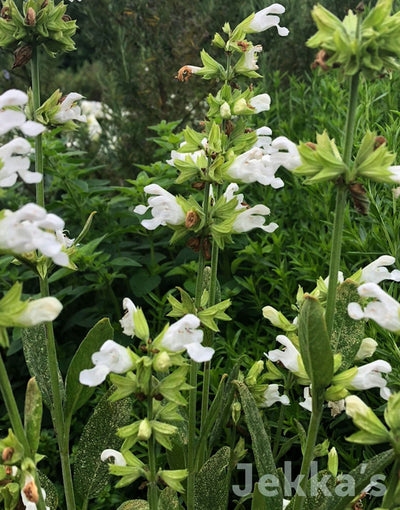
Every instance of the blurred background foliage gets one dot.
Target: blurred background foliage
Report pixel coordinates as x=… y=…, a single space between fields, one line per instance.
x=128 y=53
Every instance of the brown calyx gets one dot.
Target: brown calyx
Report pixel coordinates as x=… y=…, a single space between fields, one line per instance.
x=22 y=56
x=7 y=453
x=30 y=18
x=379 y=140
x=320 y=61
x=192 y=218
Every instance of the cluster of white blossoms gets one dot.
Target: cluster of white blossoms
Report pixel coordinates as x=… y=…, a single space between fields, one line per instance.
x=14 y=155
x=32 y=228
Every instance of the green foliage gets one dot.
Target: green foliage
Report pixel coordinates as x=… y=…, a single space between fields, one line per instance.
x=212 y=482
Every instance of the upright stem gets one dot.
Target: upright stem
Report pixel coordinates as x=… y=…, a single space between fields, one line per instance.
x=57 y=407
x=152 y=487
x=193 y=373
x=308 y=452
x=16 y=423
x=341 y=196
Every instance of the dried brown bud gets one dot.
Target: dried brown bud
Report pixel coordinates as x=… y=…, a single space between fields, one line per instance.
x=7 y=454
x=66 y=17
x=158 y=397
x=141 y=396
x=31 y=492
x=198 y=185
x=311 y=145
x=184 y=73
x=320 y=61
x=360 y=8
x=5 y=13
x=379 y=140
x=206 y=248
x=359 y=196
x=194 y=244
x=229 y=127
x=44 y=4
x=243 y=45
x=22 y=56
x=30 y=18
x=192 y=218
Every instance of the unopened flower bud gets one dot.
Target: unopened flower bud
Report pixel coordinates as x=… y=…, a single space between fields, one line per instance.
x=225 y=111
x=192 y=218
x=144 y=431
x=141 y=326
x=367 y=349
x=30 y=18
x=7 y=454
x=218 y=41
x=379 y=140
x=236 y=411
x=31 y=492
x=333 y=461
x=161 y=362
x=254 y=373
x=5 y=13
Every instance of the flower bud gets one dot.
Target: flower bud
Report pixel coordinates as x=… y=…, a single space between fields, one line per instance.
x=30 y=18
x=392 y=412
x=7 y=454
x=144 y=431
x=373 y=430
x=236 y=411
x=141 y=326
x=241 y=107
x=218 y=41
x=277 y=319
x=367 y=349
x=161 y=362
x=225 y=111
x=192 y=219
x=254 y=373
x=333 y=461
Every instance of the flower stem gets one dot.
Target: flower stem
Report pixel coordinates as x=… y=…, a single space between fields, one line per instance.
x=16 y=423
x=312 y=434
x=341 y=196
x=152 y=487
x=57 y=407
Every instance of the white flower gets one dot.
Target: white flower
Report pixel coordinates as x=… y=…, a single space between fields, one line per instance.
x=367 y=349
x=395 y=171
x=112 y=357
x=38 y=311
x=396 y=193
x=253 y=218
x=185 y=334
x=289 y=159
x=263 y=138
x=194 y=156
x=250 y=58
x=68 y=110
x=377 y=272
x=307 y=403
x=10 y=118
x=14 y=161
x=288 y=357
x=265 y=19
x=164 y=208
x=31 y=228
x=384 y=310
x=127 y=323
x=29 y=493
x=261 y=103
x=271 y=395
x=119 y=459
x=255 y=166
x=370 y=376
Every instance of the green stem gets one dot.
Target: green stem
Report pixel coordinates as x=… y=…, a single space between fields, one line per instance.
x=341 y=196
x=57 y=407
x=191 y=461
x=308 y=452
x=16 y=423
x=388 y=501
x=152 y=487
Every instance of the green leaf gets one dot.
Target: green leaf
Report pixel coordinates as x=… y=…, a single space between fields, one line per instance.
x=315 y=498
x=134 y=504
x=347 y=333
x=362 y=476
x=259 y=502
x=33 y=414
x=34 y=344
x=51 y=491
x=314 y=343
x=260 y=442
x=168 y=500
x=90 y=473
x=76 y=393
x=211 y=486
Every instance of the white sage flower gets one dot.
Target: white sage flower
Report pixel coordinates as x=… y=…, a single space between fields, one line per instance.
x=14 y=157
x=289 y=357
x=271 y=395
x=377 y=272
x=11 y=118
x=307 y=402
x=266 y=18
x=250 y=58
x=112 y=357
x=384 y=310
x=119 y=459
x=290 y=159
x=185 y=334
x=127 y=323
x=260 y=103
x=69 y=110
x=253 y=218
x=370 y=376
x=32 y=228
x=164 y=208
x=194 y=156
x=254 y=165
x=39 y=310
x=367 y=348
